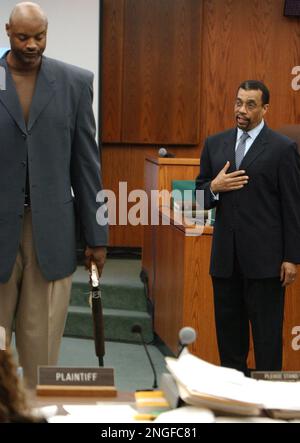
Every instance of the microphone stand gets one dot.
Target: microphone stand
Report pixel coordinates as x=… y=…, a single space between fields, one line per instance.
x=181 y=350
x=138 y=330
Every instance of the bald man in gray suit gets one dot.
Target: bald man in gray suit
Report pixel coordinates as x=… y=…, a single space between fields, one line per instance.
x=47 y=149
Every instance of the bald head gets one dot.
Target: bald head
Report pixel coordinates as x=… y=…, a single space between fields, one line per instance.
x=27 y=11
x=27 y=32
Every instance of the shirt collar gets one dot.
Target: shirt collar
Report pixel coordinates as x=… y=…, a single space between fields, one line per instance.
x=253 y=133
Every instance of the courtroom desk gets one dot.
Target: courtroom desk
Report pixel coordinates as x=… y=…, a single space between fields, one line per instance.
x=183 y=294
x=38 y=401
x=159 y=174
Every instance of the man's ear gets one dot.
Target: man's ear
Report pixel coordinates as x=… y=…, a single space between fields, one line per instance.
x=7 y=27
x=265 y=109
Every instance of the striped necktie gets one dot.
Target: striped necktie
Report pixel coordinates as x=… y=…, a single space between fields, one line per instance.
x=240 y=150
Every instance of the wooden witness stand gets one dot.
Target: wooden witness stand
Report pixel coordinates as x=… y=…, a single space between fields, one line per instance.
x=159 y=173
x=182 y=290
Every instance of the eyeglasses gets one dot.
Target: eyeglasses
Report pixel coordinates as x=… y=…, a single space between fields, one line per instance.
x=251 y=106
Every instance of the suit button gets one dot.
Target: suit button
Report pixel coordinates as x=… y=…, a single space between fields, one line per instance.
x=24 y=136
x=23 y=164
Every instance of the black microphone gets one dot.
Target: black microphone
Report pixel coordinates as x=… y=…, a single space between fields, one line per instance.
x=187 y=336
x=162 y=152
x=137 y=329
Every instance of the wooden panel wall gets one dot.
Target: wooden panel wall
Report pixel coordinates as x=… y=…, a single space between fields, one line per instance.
x=151 y=63
x=161 y=72
x=233 y=40
x=247 y=40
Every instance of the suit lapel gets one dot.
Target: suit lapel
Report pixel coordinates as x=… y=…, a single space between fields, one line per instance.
x=256 y=148
x=44 y=91
x=229 y=149
x=10 y=99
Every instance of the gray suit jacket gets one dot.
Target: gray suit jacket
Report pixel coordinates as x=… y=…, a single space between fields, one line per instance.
x=59 y=145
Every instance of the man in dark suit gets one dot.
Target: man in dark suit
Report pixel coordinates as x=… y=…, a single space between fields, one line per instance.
x=49 y=171
x=251 y=174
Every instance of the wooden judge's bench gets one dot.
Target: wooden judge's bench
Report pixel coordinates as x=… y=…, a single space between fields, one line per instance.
x=182 y=293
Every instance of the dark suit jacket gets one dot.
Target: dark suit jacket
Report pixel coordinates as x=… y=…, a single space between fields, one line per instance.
x=263 y=218
x=60 y=146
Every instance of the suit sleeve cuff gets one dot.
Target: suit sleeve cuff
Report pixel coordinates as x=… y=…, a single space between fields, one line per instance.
x=213 y=195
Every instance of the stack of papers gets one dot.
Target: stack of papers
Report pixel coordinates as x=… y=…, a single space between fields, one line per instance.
x=95 y=414
x=186 y=414
x=151 y=402
x=227 y=390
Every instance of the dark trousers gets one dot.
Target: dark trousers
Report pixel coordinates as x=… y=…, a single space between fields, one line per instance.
x=238 y=301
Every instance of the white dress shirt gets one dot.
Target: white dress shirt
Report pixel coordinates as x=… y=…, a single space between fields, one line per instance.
x=253 y=133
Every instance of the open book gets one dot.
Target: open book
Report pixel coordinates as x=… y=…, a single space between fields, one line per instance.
x=226 y=390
